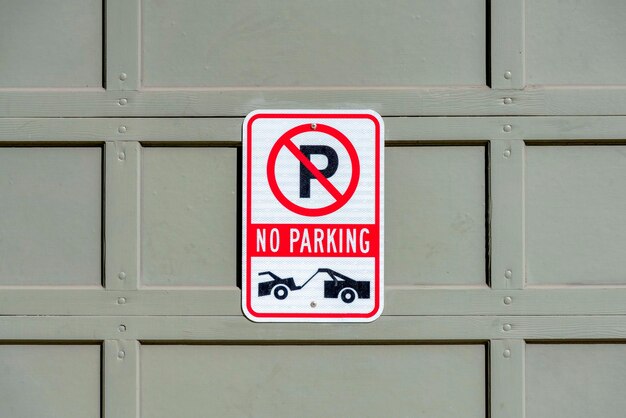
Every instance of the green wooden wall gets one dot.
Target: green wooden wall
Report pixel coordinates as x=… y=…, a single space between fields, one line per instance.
x=120 y=135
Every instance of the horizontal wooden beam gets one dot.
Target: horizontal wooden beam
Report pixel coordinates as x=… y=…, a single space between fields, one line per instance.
x=223 y=329
x=399 y=301
x=398 y=130
x=421 y=101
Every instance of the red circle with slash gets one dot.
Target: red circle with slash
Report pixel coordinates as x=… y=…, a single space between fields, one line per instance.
x=286 y=141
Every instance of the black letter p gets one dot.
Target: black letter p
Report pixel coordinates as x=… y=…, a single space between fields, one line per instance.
x=306 y=176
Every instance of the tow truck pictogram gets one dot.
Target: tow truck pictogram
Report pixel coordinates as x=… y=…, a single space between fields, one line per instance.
x=341 y=286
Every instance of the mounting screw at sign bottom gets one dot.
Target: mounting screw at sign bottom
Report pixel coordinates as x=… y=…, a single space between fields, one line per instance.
x=313 y=304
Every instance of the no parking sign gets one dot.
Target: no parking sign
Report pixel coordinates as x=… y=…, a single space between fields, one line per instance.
x=312 y=247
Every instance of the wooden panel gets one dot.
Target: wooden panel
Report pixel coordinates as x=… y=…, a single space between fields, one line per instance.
x=50 y=381
x=427 y=101
x=399 y=329
x=189 y=216
x=51 y=43
x=399 y=301
x=506 y=358
x=300 y=43
x=122 y=46
x=307 y=381
x=122 y=171
x=507 y=45
x=398 y=131
x=435 y=215
x=50 y=228
x=506 y=205
x=575 y=381
x=575 y=42
x=575 y=214
x=120 y=378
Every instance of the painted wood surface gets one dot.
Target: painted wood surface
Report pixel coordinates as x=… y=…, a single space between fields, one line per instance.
x=420 y=380
x=44 y=45
x=296 y=43
x=51 y=195
x=120 y=124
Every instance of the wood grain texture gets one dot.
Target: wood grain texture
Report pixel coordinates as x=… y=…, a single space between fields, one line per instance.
x=122 y=214
x=50 y=380
x=420 y=64
x=508 y=56
x=399 y=301
x=576 y=219
x=506 y=200
x=582 y=47
x=432 y=101
x=120 y=378
x=399 y=131
x=435 y=213
x=507 y=366
x=51 y=44
x=240 y=330
x=575 y=380
x=123 y=58
x=189 y=216
x=49 y=196
x=297 y=43
x=420 y=381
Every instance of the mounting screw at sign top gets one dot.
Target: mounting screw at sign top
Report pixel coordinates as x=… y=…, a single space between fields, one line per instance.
x=507 y=353
x=313 y=304
x=507 y=75
x=507 y=128
x=314 y=126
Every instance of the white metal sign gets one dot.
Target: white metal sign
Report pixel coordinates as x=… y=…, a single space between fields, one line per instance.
x=312 y=216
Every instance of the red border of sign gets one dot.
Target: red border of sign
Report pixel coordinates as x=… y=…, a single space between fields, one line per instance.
x=248 y=281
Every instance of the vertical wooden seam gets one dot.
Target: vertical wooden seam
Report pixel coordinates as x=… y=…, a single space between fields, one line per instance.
x=507 y=44
x=122 y=171
x=507 y=385
x=120 y=379
x=123 y=44
x=506 y=200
